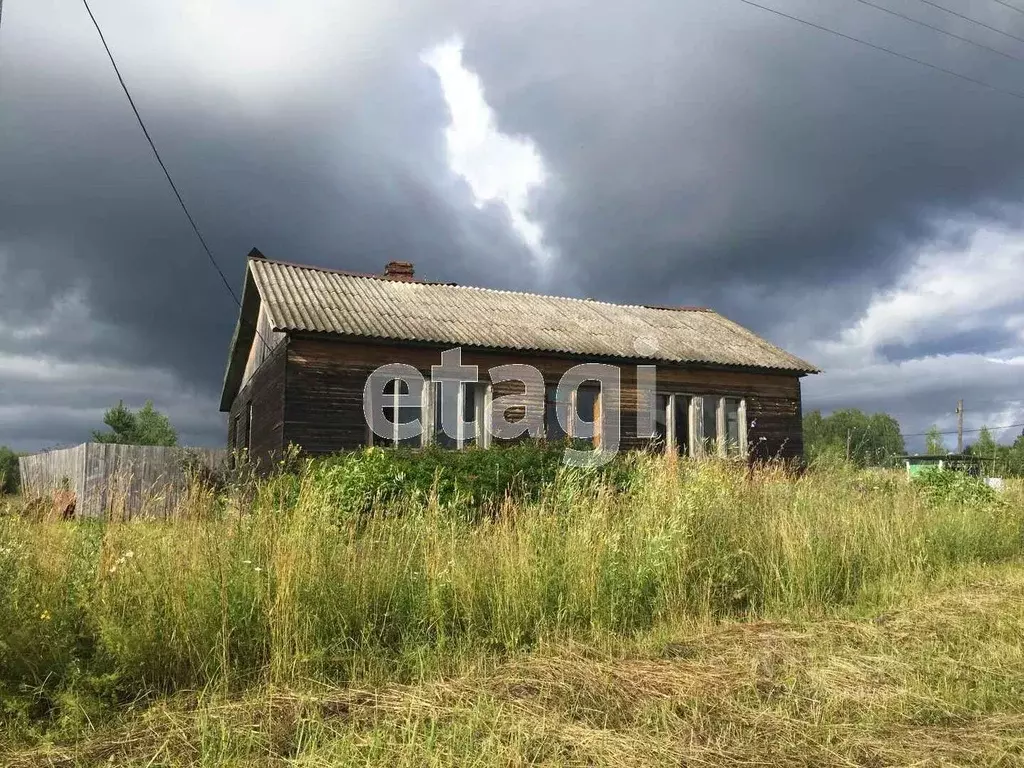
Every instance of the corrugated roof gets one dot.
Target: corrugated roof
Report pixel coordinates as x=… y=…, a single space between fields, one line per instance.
x=300 y=298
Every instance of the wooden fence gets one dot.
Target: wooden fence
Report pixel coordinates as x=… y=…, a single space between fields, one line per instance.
x=121 y=481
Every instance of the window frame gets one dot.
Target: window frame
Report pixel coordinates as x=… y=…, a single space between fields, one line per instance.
x=671 y=433
x=697 y=444
x=741 y=426
x=393 y=441
x=572 y=407
x=482 y=401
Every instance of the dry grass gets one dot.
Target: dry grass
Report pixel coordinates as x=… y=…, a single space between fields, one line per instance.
x=937 y=682
x=705 y=616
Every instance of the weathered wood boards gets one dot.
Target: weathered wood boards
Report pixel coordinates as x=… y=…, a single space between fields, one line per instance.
x=121 y=481
x=309 y=393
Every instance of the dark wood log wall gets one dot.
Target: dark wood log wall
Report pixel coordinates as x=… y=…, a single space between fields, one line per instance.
x=266 y=392
x=324 y=379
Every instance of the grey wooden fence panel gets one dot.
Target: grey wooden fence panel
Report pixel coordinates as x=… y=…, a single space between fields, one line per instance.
x=121 y=481
x=44 y=473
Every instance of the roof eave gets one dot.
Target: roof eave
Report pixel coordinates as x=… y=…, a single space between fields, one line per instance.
x=625 y=359
x=241 y=340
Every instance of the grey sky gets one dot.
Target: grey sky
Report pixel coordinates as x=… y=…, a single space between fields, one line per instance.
x=862 y=211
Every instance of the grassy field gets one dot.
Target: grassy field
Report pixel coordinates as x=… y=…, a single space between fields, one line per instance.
x=685 y=614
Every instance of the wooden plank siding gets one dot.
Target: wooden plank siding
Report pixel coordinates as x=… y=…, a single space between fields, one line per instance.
x=265 y=393
x=116 y=481
x=320 y=393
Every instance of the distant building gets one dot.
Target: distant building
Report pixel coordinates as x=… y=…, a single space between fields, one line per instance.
x=299 y=379
x=917 y=463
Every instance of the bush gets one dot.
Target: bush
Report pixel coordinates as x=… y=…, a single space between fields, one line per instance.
x=10 y=475
x=951 y=487
x=474 y=482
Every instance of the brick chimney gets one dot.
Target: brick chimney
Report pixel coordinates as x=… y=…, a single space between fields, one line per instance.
x=399 y=270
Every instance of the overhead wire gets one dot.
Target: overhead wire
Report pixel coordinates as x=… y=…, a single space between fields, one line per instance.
x=167 y=173
x=982 y=24
x=966 y=431
x=1008 y=5
x=940 y=30
x=952 y=73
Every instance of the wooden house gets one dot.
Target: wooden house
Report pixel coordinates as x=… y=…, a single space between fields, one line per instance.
x=308 y=338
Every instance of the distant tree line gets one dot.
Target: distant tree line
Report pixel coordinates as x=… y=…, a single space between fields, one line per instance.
x=851 y=435
x=875 y=440
x=1000 y=460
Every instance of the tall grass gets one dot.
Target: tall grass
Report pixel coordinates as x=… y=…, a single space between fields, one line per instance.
x=275 y=586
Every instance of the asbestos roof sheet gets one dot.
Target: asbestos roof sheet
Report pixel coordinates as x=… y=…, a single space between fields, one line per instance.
x=309 y=299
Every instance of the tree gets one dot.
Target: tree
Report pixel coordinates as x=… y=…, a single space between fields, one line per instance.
x=866 y=440
x=146 y=427
x=10 y=475
x=933 y=445
x=985 y=446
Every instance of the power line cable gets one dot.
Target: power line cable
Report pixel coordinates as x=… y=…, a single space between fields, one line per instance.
x=156 y=153
x=1008 y=5
x=940 y=30
x=967 y=431
x=950 y=11
x=883 y=49
x=167 y=173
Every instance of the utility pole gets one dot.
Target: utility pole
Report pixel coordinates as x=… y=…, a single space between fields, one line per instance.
x=959 y=426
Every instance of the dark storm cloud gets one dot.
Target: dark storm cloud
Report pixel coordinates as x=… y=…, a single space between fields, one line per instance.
x=923 y=392
x=350 y=184
x=978 y=341
x=698 y=153
x=703 y=146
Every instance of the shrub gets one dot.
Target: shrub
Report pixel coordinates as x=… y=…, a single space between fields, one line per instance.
x=10 y=475
x=474 y=482
x=949 y=486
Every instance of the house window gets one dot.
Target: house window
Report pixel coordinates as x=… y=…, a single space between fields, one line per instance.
x=587 y=399
x=709 y=424
x=681 y=424
x=397 y=414
x=672 y=422
x=469 y=401
x=584 y=401
x=662 y=403
x=720 y=425
x=734 y=444
x=236 y=432
x=556 y=413
x=248 y=427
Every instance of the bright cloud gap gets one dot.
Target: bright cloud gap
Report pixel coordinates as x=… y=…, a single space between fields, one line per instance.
x=497 y=167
